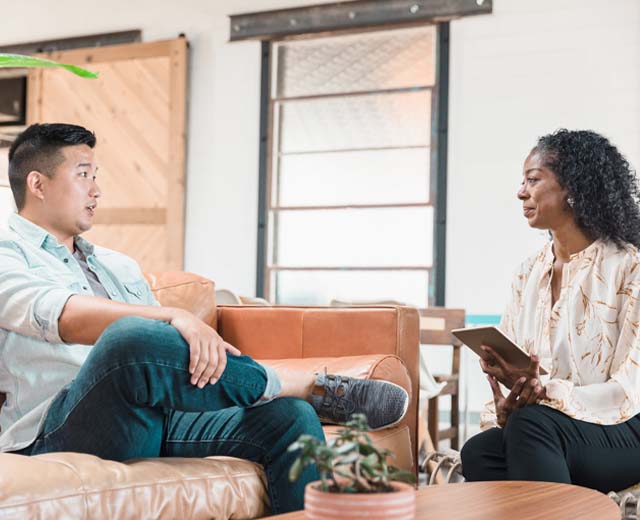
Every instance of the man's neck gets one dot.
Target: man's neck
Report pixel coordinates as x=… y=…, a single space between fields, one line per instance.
x=63 y=238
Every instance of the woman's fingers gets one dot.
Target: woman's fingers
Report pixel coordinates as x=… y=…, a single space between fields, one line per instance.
x=530 y=392
x=536 y=393
x=490 y=370
x=497 y=358
x=484 y=354
x=512 y=398
x=534 y=366
x=495 y=388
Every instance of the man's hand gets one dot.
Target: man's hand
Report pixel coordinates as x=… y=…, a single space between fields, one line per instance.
x=522 y=394
x=494 y=365
x=208 y=351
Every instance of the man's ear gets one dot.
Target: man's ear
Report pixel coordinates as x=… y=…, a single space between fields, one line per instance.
x=35 y=184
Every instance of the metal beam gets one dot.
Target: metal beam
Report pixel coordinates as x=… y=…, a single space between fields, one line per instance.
x=338 y=16
x=77 y=42
x=263 y=170
x=440 y=138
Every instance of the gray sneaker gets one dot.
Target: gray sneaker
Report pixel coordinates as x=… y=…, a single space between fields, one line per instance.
x=384 y=403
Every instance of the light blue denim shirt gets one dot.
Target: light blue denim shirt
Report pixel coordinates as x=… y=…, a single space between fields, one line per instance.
x=37 y=277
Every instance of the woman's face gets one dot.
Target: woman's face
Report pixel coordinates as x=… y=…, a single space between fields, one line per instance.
x=544 y=201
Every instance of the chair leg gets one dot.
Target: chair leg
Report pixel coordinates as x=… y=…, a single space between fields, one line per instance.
x=455 y=419
x=433 y=422
x=424 y=440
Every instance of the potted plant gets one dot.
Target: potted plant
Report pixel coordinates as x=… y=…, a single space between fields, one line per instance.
x=356 y=481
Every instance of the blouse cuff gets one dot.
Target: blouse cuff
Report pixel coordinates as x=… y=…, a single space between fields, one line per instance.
x=559 y=390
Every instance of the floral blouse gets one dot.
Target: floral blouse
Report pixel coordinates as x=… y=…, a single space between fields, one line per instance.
x=589 y=340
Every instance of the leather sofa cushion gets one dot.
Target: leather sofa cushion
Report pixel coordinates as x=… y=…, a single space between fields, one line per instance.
x=74 y=485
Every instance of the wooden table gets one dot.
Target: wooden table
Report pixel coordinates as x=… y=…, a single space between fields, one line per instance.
x=506 y=501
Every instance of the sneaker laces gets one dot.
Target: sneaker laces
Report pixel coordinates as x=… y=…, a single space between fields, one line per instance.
x=334 y=398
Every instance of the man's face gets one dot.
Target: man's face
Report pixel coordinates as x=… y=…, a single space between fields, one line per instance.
x=70 y=195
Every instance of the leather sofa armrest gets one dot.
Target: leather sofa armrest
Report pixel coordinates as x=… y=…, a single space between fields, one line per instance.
x=302 y=333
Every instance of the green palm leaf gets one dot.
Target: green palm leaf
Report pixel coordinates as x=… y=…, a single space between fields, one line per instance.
x=18 y=60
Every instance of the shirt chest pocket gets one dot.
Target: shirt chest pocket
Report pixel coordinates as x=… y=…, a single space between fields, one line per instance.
x=136 y=292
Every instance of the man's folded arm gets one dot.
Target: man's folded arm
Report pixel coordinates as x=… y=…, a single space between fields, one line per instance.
x=45 y=308
x=84 y=318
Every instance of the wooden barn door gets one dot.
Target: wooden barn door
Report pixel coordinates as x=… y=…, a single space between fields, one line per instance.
x=137 y=110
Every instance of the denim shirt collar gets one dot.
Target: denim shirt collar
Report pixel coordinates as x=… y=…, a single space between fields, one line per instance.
x=40 y=237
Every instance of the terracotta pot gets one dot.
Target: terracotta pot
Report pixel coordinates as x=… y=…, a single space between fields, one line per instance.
x=398 y=505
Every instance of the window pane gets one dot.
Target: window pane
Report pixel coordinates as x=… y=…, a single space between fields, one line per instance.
x=354 y=63
x=367 y=121
x=341 y=178
x=320 y=287
x=355 y=237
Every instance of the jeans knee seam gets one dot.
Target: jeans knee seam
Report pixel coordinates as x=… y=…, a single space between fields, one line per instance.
x=218 y=439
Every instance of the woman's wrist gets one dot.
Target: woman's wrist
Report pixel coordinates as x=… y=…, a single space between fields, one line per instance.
x=543 y=394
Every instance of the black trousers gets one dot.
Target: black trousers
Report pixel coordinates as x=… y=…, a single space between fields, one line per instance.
x=540 y=443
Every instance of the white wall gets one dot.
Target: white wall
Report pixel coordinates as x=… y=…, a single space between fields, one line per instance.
x=531 y=67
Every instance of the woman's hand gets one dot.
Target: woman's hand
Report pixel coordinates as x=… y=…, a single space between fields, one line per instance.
x=522 y=394
x=494 y=365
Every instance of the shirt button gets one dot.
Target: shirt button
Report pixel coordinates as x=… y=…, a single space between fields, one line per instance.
x=84 y=288
x=66 y=260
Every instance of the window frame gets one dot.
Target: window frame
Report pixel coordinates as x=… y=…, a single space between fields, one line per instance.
x=437 y=185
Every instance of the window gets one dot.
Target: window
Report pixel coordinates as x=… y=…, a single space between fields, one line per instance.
x=350 y=200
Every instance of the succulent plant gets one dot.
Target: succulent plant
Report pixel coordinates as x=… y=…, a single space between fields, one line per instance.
x=348 y=463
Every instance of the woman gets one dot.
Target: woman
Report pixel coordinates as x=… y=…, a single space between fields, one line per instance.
x=575 y=308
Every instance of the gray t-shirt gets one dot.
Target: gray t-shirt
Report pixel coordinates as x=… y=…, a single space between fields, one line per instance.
x=96 y=286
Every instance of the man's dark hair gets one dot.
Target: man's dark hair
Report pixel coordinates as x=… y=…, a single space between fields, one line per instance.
x=38 y=148
x=602 y=184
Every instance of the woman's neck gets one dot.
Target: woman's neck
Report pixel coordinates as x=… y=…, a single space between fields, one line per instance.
x=569 y=240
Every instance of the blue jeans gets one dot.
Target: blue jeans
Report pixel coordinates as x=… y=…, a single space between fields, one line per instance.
x=133 y=398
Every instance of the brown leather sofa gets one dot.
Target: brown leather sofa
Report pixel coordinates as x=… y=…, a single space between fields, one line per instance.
x=374 y=342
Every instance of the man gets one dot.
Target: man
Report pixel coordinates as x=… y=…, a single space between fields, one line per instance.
x=91 y=363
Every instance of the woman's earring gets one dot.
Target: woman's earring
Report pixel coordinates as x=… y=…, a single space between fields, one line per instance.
x=570 y=202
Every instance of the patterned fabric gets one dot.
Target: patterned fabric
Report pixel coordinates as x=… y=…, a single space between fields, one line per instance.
x=589 y=338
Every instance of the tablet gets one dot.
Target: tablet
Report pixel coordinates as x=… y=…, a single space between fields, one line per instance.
x=475 y=337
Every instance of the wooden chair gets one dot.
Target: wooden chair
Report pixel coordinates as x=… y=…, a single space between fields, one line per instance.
x=436 y=324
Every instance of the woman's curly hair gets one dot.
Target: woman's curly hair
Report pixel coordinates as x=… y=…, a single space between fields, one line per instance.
x=602 y=184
